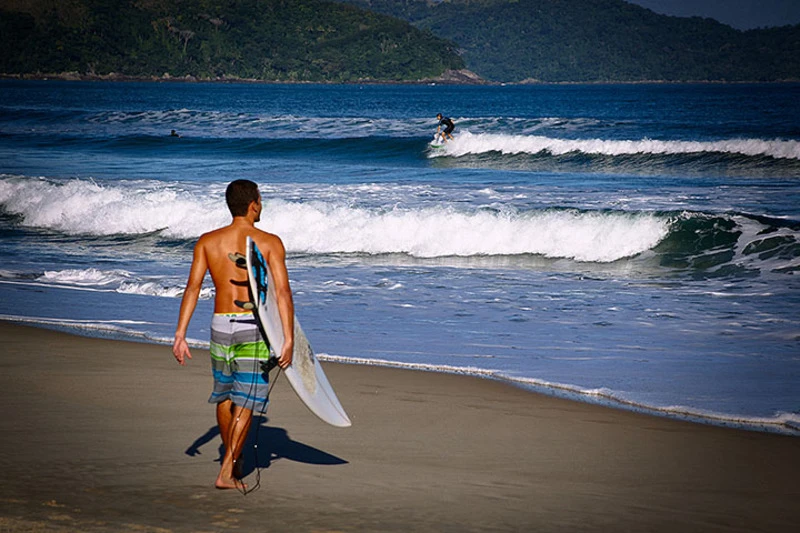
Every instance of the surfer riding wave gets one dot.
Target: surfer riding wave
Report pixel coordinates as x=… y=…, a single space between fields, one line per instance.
x=449 y=126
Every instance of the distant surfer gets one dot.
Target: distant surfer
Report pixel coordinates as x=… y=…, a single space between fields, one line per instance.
x=237 y=347
x=174 y=133
x=448 y=127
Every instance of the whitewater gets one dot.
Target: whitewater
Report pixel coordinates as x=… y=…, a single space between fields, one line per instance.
x=635 y=246
x=469 y=143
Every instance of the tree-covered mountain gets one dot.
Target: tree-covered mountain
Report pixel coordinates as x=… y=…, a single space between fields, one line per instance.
x=598 y=40
x=282 y=40
x=318 y=40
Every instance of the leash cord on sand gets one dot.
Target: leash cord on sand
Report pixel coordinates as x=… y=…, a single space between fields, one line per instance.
x=244 y=490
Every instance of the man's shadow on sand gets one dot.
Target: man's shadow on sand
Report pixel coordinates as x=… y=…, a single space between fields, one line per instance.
x=273 y=444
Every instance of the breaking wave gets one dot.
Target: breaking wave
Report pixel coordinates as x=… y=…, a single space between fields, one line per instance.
x=467 y=143
x=99 y=280
x=728 y=243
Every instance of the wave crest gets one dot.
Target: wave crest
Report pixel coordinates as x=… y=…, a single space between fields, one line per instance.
x=97 y=280
x=471 y=144
x=320 y=228
x=84 y=207
x=716 y=244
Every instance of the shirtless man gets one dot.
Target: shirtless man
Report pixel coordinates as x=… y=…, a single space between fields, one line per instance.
x=237 y=347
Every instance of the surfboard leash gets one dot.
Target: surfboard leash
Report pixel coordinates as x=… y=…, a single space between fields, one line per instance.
x=266 y=368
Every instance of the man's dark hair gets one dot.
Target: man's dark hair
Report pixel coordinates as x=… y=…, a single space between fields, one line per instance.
x=239 y=194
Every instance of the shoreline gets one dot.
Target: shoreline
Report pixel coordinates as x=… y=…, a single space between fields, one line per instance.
x=573 y=393
x=779 y=424
x=109 y=435
x=444 y=80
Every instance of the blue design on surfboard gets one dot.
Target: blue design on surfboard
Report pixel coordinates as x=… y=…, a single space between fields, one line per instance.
x=305 y=374
x=260 y=273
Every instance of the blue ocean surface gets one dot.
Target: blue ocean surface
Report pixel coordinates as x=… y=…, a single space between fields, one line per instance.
x=631 y=245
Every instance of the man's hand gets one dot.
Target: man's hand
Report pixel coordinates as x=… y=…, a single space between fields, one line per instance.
x=286 y=355
x=181 y=350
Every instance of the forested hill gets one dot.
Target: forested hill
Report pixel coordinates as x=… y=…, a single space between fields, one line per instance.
x=283 y=40
x=598 y=40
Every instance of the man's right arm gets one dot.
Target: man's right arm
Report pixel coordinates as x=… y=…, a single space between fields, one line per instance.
x=283 y=295
x=180 y=349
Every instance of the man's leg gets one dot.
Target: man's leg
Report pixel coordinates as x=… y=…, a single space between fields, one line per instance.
x=234 y=424
x=224 y=417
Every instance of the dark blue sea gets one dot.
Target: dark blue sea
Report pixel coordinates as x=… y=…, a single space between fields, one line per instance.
x=631 y=245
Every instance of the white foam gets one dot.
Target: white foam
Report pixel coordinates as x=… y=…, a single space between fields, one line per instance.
x=115 y=327
x=443 y=231
x=754 y=232
x=86 y=277
x=434 y=229
x=120 y=329
x=467 y=143
x=41 y=284
x=157 y=289
x=85 y=207
x=73 y=322
x=120 y=281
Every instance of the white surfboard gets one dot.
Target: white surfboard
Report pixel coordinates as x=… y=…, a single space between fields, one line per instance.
x=305 y=373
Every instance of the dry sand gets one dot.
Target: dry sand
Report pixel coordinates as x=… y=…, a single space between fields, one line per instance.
x=101 y=435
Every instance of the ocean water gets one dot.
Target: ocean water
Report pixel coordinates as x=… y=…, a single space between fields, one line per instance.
x=632 y=245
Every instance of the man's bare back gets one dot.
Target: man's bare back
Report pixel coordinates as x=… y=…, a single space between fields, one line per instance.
x=230 y=281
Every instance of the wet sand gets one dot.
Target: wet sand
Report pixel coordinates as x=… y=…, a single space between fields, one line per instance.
x=102 y=435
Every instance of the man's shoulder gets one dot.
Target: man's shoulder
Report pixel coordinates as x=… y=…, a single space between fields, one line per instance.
x=268 y=243
x=265 y=238
x=213 y=235
x=230 y=235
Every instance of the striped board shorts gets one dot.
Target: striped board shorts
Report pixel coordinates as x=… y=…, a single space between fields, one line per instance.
x=237 y=349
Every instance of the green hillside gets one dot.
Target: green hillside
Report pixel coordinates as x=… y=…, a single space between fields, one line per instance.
x=598 y=40
x=281 y=40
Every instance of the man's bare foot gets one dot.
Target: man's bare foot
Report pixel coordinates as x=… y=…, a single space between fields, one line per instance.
x=231 y=483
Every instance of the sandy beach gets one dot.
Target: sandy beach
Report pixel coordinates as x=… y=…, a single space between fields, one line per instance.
x=102 y=435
